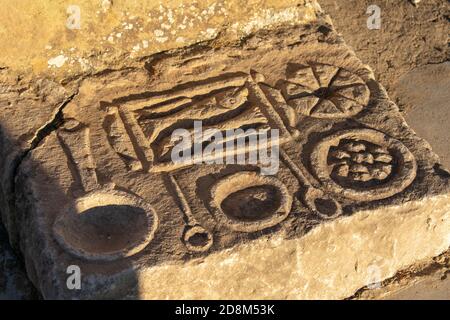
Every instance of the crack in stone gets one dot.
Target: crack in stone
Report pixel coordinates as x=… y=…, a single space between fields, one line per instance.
x=50 y=126
x=43 y=132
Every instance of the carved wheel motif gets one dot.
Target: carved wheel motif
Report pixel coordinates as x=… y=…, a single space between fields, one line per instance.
x=363 y=164
x=324 y=91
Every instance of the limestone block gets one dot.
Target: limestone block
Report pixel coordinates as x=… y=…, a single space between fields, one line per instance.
x=66 y=38
x=63 y=42
x=356 y=196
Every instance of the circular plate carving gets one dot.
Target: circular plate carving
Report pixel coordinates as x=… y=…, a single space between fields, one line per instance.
x=106 y=225
x=325 y=91
x=249 y=202
x=197 y=239
x=363 y=164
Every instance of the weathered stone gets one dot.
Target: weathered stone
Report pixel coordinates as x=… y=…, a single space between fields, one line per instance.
x=357 y=195
x=14 y=283
x=26 y=110
x=67 y=38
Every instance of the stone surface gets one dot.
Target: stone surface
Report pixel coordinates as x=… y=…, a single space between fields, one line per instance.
x=409 y=37
x=14 y=283
x=40 y=73
x=424 y=93
x=67 y=38
x=356 y=191
x=357 y=196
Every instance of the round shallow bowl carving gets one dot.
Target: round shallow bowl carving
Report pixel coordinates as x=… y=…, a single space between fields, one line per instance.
x=106 y=225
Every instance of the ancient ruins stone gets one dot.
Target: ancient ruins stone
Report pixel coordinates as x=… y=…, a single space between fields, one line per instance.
x=26 y=110
x=14 y=283
x=69 y=38
x=356 y=197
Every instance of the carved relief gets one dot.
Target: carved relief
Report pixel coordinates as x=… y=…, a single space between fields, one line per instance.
x=363 y=164
x=315 y=199
x=127 y=139
x=352 y=169
x=248 y=202
x=229 y=102
x=120 y=140
x=165 y=215
x=223 y=111
x=195 y=237
x=324 y=91
x=102 y=223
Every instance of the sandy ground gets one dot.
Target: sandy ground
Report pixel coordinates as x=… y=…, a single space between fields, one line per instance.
x=407 y=55
x=426 y=91
x=409 y=36
x=429 y=288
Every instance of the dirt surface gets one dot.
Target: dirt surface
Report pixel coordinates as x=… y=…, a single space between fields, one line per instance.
x=425 y=90
x=427 y=280
x=410 y=36
x=433 y=288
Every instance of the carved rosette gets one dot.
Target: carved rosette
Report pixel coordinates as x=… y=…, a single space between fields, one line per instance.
x=363 y=164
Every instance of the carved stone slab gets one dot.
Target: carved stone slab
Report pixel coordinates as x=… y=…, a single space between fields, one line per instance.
x=356 y=193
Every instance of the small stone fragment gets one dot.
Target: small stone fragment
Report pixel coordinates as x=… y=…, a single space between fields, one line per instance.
x=362 y=177
x=339 y=154
x=386 y=158
x=359 y=168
